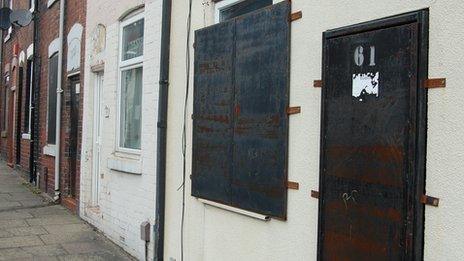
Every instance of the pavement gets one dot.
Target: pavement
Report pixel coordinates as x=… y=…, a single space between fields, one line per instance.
x=32 y=228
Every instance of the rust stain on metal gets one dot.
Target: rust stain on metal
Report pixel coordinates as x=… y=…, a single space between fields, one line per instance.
x=295 y=16
x=435 y=83
x=384 y=167
x=293 y=185
x=317 y=83
x=211 y=67
x=216 y=118
x=431 y=201
x=293 y=110
x=314 y=194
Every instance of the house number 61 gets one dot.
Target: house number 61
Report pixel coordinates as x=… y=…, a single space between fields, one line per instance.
x=359 y=56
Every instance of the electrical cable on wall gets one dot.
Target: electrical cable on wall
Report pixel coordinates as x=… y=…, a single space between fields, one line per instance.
x=184 y=130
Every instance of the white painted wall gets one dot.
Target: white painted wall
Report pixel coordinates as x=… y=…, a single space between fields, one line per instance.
x=215 y=234
x=126 y=200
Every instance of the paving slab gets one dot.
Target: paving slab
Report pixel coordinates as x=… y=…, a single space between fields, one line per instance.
x=26 y=241
x=69 y=228
x=27 y=231
x=70 y=237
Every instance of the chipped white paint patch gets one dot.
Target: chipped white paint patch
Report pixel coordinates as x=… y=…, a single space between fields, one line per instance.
x=365 y=84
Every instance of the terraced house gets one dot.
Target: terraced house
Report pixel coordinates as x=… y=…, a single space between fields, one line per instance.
x=42 y=90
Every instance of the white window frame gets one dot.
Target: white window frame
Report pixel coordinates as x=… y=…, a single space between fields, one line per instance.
x=10 y=29
x=218 y=7
x=32 y=4
x=125 y=66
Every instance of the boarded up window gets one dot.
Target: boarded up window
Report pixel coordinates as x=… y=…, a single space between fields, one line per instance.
x=240 y=121
x=52 y=85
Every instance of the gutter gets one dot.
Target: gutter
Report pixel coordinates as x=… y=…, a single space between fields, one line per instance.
x=59 y=92
x=162 y=131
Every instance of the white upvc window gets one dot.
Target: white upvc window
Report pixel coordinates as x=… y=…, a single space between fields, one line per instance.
x=10 y=29
x=129 y=121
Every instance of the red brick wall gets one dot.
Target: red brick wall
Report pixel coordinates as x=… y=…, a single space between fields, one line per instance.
x=23 y=37
x=49 y=24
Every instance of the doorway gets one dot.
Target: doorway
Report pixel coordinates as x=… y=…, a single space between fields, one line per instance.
x=373 y=140
x=18 y=115
x=74 y=100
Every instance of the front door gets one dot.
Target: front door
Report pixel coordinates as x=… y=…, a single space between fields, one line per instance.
x=97 y=138
x=19 y=112
x=74 y=133
x=11 y=126
x=372 y=146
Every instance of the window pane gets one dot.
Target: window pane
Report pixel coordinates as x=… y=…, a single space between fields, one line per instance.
x=131 y=108
x=132 y=40
x=52 y=84
x=242 y=8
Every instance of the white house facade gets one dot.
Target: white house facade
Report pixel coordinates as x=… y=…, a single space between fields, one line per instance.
x=119 y=120
x=208 y=229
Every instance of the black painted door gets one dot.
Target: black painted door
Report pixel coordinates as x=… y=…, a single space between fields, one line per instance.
x=74 y=134
x=370 y=141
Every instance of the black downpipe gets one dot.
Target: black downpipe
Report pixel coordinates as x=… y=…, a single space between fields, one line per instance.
x=34 y=146
x=162 y=131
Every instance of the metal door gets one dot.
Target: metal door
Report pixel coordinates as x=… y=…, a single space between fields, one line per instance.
x=372 y=140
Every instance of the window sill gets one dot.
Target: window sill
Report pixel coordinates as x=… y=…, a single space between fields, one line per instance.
x=235 y=210
x=49 y=150
x=125 y=165
x=26 y=136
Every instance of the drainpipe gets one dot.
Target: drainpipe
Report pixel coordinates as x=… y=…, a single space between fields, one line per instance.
x=162 y=127
x=34 y=117
x=59 y=91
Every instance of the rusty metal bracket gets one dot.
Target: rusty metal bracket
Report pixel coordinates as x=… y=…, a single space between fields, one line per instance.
x=314 y=194
x=435 y=83
x=293 y=110
x=296 y=16
x=317 y=83
x=293 y=185
x=431 y=201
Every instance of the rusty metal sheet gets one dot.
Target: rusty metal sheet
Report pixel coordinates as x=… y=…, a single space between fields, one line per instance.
x=261 y=101
x=240 y=118
x=370 y=140
x=212 y=112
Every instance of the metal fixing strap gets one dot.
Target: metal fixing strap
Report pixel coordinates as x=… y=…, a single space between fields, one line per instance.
x=431 y=201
